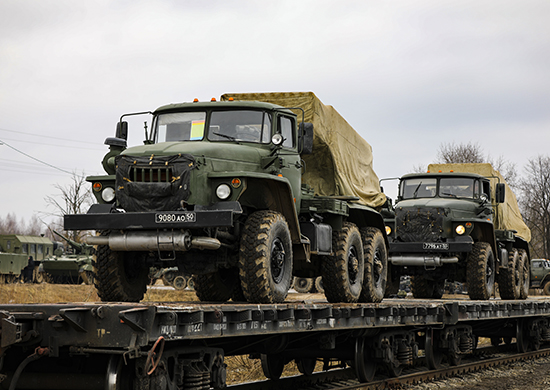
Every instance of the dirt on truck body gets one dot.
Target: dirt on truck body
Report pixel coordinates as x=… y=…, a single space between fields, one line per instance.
x=460 y=222
x=244 y=194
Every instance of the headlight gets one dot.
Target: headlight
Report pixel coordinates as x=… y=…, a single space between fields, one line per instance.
x=460 y=229
x=277 y=139
x=108 y=194
x=223 y=191
x=388 y=230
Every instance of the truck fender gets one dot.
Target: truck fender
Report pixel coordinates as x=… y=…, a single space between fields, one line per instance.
x=485 y=232
x=365 y=216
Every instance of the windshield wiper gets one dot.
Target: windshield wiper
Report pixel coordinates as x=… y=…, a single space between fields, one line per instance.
x=226 y=136
x=416 y=190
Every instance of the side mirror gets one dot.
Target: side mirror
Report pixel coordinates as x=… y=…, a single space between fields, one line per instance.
x=122 y=130
x=115 y=142
x=306 y=138
x=500 y=192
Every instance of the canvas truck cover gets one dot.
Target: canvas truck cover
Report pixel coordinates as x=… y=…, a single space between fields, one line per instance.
x=509 y=216
x=341 y=162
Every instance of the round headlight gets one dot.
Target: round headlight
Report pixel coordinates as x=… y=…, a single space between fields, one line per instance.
x=460 y=229
x=388 y=230
x=223 y=191
x=108 y=194
x=277 y=139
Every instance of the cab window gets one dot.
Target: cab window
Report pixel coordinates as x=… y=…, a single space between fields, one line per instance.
x=285 y=128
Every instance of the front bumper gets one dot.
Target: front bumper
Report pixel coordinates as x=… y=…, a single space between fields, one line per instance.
x=100 y=217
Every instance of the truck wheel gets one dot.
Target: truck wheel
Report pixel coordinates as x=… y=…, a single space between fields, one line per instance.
x=265 y=258
x=480 y=272
x=343 y=272
x=509 y=280
x=120 y=276
x=546 y=288
x=525 y=266
x=319 y=285
x=376 y=265
x=218 y=286
x=179 y=282
x=424 y=288
x=303 y=285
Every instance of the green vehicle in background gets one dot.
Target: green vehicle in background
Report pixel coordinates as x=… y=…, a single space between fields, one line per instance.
x=540 y=275
x=73 y=267
x=21 y=255
x=243 y=194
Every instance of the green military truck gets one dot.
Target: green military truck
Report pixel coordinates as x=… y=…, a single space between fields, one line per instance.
x=540 y=275
x=20 y=254
x=243 y=193
x=460 y=222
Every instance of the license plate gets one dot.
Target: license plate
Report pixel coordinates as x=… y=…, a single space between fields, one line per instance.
x=186 y=216
x=436 y=246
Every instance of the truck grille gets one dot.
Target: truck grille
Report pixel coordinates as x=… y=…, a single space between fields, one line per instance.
x=420 y=224
x=151 y=175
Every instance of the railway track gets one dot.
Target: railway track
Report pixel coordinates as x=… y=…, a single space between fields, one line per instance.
x=344 y=379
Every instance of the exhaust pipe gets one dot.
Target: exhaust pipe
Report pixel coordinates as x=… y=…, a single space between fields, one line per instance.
x=143 y=241
x=421 y=261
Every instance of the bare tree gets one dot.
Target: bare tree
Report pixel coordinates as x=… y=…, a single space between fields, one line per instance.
x=10 y=225
x=75 y=197
x=451 y=153
x=535 y=204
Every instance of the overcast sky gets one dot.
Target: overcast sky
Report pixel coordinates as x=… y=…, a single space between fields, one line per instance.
x=407 y=75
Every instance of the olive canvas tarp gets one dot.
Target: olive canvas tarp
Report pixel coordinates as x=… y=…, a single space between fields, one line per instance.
x=508 y=214
x=341 y=163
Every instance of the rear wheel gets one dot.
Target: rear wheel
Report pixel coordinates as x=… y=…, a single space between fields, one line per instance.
x=265 y=258
x=303 y=285
x=120 y=276
x=344 y=271
x=424 y=288
x=376 y=265
x=179 y=282
x=525 y=272
x=509 y=280
x=480 y=272
x=218 y=286
x=546 y=288
x=319 y=285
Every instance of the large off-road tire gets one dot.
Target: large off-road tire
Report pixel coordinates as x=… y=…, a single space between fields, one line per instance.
x=120 y=276
x=509 y=280
x=265 y=258
x=319 y=285
x=343 y=272
x=480 y=272
x=546 y=288
x=303 y=285
x=525 y=273
x=218 y=286
x=427 y=289
x=376 y=265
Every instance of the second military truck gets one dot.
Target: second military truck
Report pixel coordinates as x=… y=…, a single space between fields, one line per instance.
x=244 y=194
x=460 y=222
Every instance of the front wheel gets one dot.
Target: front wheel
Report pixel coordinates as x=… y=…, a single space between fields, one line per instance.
x=120 y=276
x=265 y=258
x=480 y=272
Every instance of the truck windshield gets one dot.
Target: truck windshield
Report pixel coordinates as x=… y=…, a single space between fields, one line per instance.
x=418 y=188
x=240 y=125
x=234 y=125
x=457 y=187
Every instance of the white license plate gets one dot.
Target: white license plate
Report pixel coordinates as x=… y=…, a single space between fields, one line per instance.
x=188 y=216
x=435 y=246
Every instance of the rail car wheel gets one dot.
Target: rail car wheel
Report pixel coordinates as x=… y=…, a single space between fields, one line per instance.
x=118 y=374
x=424 y=288
x=120 y=276
x=434 y=354
x=525 y=274
x=303 y=285
x=509 y=280
x=364 y=363
x=343 y=272
x=376 y=265
x=480 y=272
x=522 y=336
x=265 y=258
x=272 y=366
x=218 y=286
x=306 y=365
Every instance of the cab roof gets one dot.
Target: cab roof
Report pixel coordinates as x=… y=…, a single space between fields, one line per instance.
x=443 y=174
x=236 y=104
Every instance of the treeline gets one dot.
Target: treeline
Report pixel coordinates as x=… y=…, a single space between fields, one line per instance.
x=10 y=224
